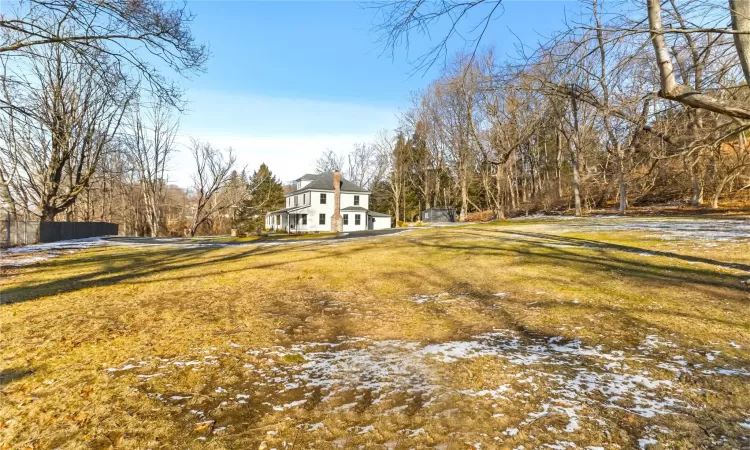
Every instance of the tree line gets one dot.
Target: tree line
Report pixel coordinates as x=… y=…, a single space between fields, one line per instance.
x=632 y=103
x=89 y=117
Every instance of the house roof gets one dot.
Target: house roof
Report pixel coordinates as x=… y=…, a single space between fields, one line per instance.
x=307 y=176
x=324 y=181
x=361 y=209
x=354 y=209
x=291 y=208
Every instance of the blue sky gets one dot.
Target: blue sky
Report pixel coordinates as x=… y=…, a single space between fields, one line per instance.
x=290 y=79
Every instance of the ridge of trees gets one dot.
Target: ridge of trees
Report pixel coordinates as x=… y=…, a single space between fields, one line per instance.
x=633 y=103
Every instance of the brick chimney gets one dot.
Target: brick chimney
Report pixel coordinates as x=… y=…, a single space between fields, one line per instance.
x=337 y=224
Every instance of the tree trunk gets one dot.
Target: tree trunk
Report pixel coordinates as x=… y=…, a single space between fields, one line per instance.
x=574 y=157
x=499 y=209
x=48 y=214
x=671 y=90
x=464 y=194
x=576 y=180
x=397 y=197
x=623 y=185
x=697 y=186
x=5 y=194
x=623 y=197
x=739 y=11
x=558 y=162
x=717 y=194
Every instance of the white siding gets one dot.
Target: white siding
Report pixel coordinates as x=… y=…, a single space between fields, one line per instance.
x=347 y=200
x=315 y=208
x=381 y=223
x=352 y=225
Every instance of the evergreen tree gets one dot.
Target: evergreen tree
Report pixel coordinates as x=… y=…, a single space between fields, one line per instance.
x=265 y=193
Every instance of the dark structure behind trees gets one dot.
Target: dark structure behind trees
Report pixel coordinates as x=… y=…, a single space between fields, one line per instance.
x=61 y=231
x=439 y=215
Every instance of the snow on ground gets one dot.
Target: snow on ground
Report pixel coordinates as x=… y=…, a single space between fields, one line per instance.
x=34 y=253
x=73 y=244
x=547 y=376
x=41 y=252
x=714 y=230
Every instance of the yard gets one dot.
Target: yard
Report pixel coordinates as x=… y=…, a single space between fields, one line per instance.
x=541 y=333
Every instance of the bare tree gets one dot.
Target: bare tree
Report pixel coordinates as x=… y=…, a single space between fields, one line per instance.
x=213 y=171
x=364 y=165
x=329 y=161
x=739 y=10
x=392 y=152
x=132 y=33
x=53 y=152
x=151 y=141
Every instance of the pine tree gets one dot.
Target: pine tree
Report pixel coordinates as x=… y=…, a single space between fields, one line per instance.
x=265 y=194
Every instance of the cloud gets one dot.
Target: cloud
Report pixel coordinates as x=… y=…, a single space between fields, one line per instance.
x=285 y=133
x=288 y=157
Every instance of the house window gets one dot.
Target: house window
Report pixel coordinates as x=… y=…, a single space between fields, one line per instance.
x=346 y=219
x=356 y=219
x=322 y=199
x=278 y=220
x=356 y=200
x=304 y=219
x=322 y=218
x=296 y=198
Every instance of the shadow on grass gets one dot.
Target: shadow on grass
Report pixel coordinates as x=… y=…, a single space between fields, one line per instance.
x=586 y=255
x=8 y=376
x=114 y=269
x=582 y=255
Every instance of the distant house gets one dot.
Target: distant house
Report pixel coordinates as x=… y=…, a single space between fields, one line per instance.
x=326 y=202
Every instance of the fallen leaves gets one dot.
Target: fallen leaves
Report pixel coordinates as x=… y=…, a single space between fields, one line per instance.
x=205 y=427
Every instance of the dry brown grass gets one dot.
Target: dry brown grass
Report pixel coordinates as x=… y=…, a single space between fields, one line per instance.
x=247 y=317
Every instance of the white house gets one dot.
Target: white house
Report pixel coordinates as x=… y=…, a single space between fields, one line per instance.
x=312 y=207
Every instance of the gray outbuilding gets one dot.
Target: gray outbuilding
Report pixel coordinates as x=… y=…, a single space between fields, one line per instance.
x=439 y=215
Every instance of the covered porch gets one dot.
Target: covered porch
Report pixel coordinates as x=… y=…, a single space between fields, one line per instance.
x=291 y=220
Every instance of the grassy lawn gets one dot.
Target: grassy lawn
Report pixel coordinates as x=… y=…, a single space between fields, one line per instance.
x=561 y=332
x=272 y=237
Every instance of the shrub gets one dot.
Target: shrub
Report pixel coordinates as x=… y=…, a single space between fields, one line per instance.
x=479 y=216
x=400 y=223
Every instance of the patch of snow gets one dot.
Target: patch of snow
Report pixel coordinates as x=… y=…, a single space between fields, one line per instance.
x=120 y=369
x=73 y=244
x=20 y=262
x=289 y=405
x=396 y=372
